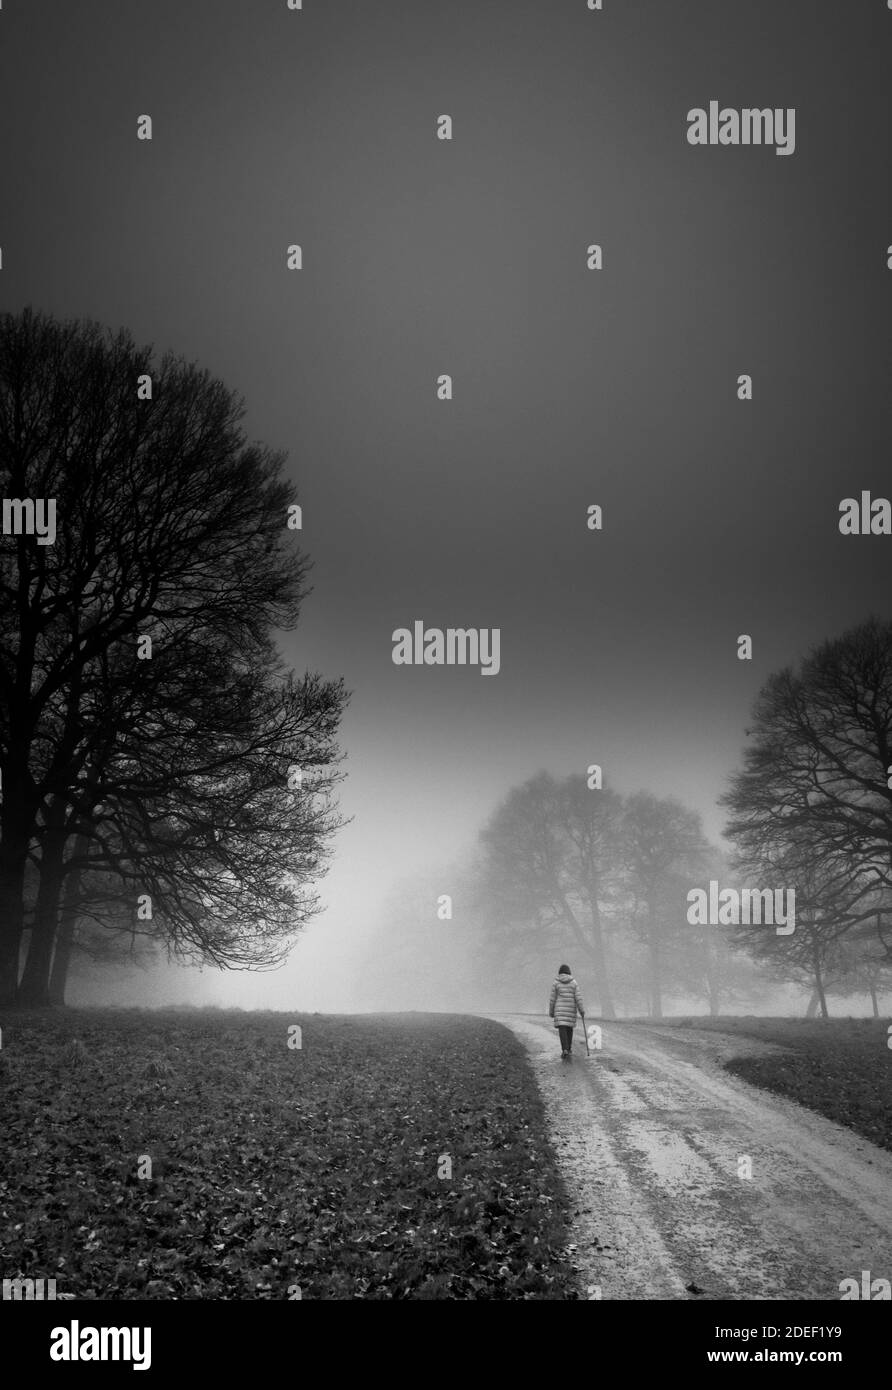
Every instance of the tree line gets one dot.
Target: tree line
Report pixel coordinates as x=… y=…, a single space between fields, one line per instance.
x=565 y=867
x=164 y=778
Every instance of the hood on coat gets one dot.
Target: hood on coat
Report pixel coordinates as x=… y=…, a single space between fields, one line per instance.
x=565 y=977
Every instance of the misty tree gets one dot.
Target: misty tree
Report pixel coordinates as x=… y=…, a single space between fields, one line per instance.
x=830 y=898
x=551 y=857
x=706 y=961
x=704 y=966
x=80 y=937
x=592 y=821
x=216 y=841
x=565 y=870
x=811 y=807
x=142 y=709
x=417 y=959
x=862 y=969
x=664 y=849
x=815 y=783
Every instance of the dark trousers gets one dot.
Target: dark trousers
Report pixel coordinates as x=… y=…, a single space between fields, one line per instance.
x=566 y=1037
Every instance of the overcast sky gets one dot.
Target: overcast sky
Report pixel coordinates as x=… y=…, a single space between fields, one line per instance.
x=571 y=387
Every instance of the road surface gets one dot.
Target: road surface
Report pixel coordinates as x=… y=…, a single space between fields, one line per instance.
x=651 y=1135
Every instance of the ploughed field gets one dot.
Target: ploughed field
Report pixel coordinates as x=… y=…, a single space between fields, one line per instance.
x=222 y=1154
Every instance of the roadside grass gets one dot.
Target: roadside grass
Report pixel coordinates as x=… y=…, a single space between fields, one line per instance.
x=841 y=1067
x=275 y=1168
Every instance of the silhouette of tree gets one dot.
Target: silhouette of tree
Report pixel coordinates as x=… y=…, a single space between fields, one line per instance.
x=812 y=807
x=171 y=760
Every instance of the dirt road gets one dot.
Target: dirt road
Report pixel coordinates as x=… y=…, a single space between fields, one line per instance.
x=652 y=1135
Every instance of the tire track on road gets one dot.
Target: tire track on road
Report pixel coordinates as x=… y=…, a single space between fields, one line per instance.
x=651 y=1146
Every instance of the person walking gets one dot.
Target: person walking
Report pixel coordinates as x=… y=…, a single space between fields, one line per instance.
x=563 y=1005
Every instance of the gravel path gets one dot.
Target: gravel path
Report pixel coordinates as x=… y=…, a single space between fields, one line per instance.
x=652 y=1135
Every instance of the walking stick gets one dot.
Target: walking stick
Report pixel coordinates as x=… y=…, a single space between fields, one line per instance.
x=585 y=1035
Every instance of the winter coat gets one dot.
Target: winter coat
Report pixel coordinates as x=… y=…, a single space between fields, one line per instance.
x=565 y=1000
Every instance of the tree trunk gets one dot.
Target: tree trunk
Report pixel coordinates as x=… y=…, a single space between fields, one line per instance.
x=13 y=860
x=62 y=957
x=599 y=955
x=812 y=1008
x=18 y=817
x=656 y=965
x=713 y=987
x=593 y=944
x=874 y=1000
x=35 y=985
x=67 y=924
x=819 y=985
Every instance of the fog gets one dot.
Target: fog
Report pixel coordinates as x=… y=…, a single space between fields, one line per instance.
x=571 y=387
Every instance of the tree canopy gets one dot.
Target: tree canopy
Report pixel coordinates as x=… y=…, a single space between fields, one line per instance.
x=147 y=725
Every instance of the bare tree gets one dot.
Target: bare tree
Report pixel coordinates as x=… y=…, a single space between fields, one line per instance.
x=551 y=856
x=812 y=805
x=171 y=530
x=816 y=776
x=664 y=848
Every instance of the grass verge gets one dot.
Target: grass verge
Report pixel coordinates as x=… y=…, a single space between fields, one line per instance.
x=842 y=1068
